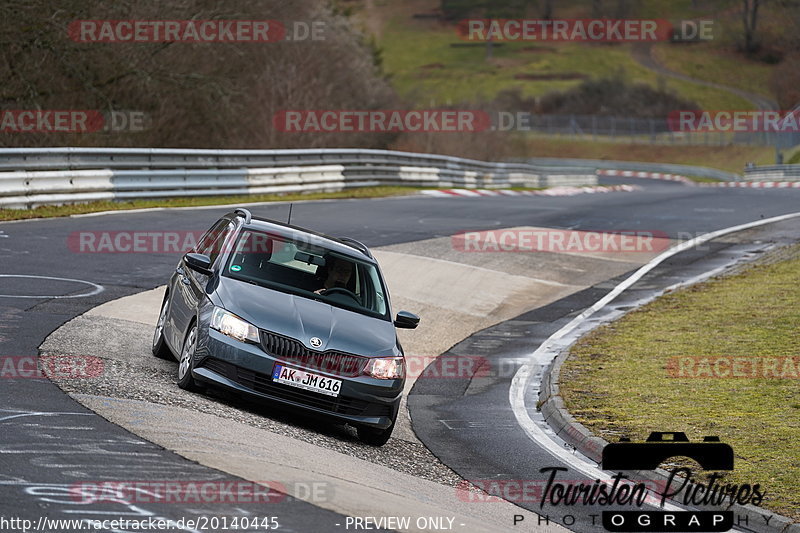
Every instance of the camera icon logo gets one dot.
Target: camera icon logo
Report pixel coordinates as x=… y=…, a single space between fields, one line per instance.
x=711 y=454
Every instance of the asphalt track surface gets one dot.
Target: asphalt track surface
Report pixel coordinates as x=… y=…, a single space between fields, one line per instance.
x=466 y=421
x=48 y=442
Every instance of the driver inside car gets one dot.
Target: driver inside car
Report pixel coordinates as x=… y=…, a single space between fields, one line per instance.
x=336 y=273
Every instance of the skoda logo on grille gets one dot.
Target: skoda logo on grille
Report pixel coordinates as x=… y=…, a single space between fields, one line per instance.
x=315 y=342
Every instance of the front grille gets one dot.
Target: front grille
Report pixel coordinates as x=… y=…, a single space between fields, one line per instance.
x=330 y=362
x=262 y=383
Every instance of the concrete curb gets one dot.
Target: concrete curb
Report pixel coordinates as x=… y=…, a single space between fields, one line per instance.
x=648 y=175
x=557 y=190
x=756 y=184
x=555 y=413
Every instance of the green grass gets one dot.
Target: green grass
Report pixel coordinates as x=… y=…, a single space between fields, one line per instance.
x=408 y=51
x=704 y=62
x=703 y=179
x=426 y=69
x=616 y=380
x=708 y=97
x=49 y=211
x=729 y=158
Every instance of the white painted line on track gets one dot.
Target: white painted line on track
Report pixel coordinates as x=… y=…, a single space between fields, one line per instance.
x=96 y=290
x=42 y=413
x=543 y=354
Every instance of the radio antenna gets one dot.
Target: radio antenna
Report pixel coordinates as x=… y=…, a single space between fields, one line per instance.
x=289 y=221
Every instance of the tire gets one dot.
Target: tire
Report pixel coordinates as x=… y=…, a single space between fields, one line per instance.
x=160 y=348
x=375 y=436
x=186 y=362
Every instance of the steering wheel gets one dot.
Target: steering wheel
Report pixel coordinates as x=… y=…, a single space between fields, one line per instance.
x=341 y=290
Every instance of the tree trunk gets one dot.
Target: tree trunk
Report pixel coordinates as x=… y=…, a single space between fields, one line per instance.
x=547 y=9
x=749 y=19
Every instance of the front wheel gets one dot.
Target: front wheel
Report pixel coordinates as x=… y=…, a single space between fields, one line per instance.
x=185 y=379
x=375 y=436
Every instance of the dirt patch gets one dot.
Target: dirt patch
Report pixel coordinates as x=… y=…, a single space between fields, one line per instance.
x=551 y=76
x=537 y=49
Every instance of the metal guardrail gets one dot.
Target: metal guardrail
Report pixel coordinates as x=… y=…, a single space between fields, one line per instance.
x=772 y=173
x=38 y=176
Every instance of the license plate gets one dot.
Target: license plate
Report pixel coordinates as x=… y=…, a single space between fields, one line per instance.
x=306 y=380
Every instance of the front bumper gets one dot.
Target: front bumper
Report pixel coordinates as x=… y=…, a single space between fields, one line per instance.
x=246 y=368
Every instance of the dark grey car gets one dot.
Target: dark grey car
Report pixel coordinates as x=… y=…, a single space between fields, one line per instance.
x=290 y=315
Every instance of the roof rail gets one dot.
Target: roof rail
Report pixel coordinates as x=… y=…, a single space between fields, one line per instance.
x=360 y=246
x=245 y=213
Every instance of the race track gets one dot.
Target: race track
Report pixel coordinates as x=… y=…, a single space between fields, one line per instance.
x=134 y=424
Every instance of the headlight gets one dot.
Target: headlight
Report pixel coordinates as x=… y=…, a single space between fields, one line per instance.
x=386 y=368
x=233 y=326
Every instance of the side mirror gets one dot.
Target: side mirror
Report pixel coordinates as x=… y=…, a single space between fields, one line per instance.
x=198 y=262
x=406 y=320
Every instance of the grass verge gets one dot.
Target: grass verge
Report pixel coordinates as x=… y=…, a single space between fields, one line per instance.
x=707 y=63
x=428 y=69
x=617 y=379
x=730 y=158
x=49 y=211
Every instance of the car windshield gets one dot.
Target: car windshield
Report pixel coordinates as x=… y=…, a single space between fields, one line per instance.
x=308 y=270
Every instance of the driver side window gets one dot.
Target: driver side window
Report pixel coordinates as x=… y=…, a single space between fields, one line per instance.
x=211 y=243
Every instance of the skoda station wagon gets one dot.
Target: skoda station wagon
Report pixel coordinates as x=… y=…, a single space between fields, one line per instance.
x=285 y=314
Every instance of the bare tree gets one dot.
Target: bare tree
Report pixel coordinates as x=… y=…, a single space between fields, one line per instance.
x=547 y=9
x=221 y=95
x=749 y=20
x=622 y=9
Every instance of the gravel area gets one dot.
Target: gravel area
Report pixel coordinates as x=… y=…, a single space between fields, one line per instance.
x=131 y=372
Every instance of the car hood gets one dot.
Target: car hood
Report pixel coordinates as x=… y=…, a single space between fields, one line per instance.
x=303 y=318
